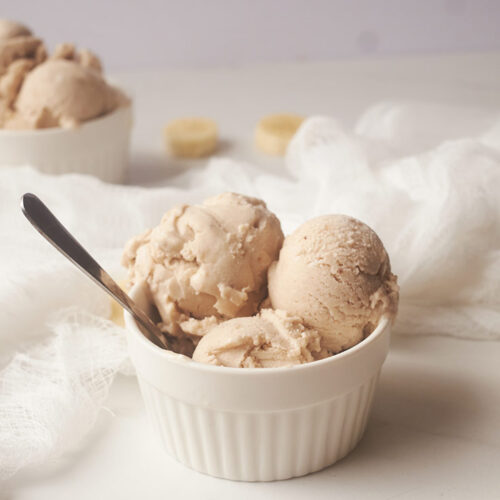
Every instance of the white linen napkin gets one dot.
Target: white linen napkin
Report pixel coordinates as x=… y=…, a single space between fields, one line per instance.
x=425 y=177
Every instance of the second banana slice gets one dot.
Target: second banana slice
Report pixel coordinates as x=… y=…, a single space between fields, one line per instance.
x=274 y=132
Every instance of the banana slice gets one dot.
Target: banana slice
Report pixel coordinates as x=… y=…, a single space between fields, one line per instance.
x=116 y=315
x=191 y=137
x=274 y=132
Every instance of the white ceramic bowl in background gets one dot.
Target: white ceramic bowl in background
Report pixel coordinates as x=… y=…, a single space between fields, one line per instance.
x=99 y=147
x=257 y=424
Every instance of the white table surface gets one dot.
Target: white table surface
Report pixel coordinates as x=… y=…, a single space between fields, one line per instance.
x=435 y=428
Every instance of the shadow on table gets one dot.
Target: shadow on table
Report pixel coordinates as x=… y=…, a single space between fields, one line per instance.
x=418 y=410
x=158 y=168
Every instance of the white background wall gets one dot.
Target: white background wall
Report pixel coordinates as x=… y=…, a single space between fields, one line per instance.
x=156 y=34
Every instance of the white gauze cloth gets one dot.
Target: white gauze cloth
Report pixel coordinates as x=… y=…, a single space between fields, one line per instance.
x=425 y=177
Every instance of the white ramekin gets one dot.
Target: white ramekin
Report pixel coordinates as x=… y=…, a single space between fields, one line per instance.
x=257 y=424
x=98 y=147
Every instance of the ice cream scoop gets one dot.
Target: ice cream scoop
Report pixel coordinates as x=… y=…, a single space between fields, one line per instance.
x=19 y=53
x=84 y=57
x=61 y=92
x=18 y=42
x=269 y=340
x=206 y=263
x=335 y=274
x=11 y=29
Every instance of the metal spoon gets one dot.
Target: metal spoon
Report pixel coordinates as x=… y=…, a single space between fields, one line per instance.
x=52 y=230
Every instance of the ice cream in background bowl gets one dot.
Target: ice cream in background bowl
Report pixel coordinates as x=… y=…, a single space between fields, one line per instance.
x=57 y=111
x=268 y=390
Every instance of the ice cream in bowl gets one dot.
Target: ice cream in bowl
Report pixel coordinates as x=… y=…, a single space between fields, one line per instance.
x=57 y=111
x=279 y=342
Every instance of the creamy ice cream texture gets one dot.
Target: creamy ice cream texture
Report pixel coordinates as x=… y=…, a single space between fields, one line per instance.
x=206 y=263
x=63 y=90
x=335 y=274
x=270 y=339
x=206 y=266
x=17 y=42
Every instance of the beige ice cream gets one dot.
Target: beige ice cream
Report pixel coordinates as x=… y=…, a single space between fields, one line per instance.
x=83 y=57
x=63 y=91
x=334 y=273
x=269 y=340
x=20 y=52
x=17 y=42
x=206 y=263
x=215 y=270
x=12 y=29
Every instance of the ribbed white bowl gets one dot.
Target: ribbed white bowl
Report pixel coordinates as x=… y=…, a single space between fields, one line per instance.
x=98 y=147
x=257 y=424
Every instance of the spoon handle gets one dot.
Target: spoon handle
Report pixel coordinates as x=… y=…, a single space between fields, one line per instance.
x=46 y=223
